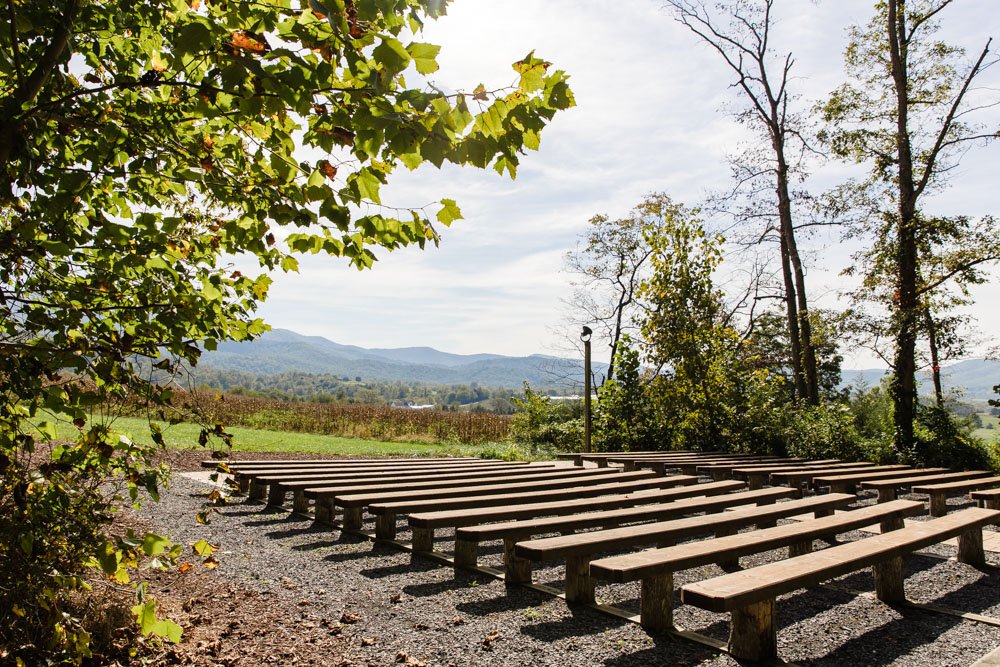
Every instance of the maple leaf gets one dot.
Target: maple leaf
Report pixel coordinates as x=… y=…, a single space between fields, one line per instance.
x=251 y=42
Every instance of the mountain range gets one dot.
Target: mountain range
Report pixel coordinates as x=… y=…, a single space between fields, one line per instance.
x=281 y=350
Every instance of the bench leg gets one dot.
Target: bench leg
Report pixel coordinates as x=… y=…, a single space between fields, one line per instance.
x=300 y=504
x=766 y=524
x=894 y=522
x=602 y=462
x=718 y=475
x=628 y=466
x=688 y=469
x=352 y=518
x=385 y=526
x=466 y=552
x=752 y=636
x=517 y=570
x=257 y=491
x=755 y=482
x=939 y=504
x=656 y=603
x=970 y=547
x=578 y=461
x=276 y=496
x=800 y=548
x=423 y=539
x=992 y=503
x=325 y=510
x=244 y=484
x=889 y=580
x=579 y=583
x=731 y=563
x=659 y=468
x=885 y=495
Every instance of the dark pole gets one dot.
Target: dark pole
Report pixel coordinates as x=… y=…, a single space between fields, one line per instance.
x=585 y=337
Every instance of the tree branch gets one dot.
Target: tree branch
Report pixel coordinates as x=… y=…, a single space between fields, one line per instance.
x=30 y=88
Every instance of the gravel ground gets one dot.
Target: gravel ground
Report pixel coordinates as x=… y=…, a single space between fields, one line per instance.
x=388 y=607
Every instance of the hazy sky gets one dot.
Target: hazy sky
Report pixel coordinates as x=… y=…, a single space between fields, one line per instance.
x=651 y=115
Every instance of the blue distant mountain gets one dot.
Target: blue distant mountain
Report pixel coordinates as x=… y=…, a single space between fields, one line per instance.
x=975 y=378
x=281 y=351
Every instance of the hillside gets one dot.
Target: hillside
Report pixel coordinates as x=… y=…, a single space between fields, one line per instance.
x=281 y=350
x=975 y=378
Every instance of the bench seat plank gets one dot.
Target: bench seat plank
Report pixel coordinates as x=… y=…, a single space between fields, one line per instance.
x=846 y=482
x=887 y=489
x=276 y=463
x=738 y=589
x=481 y=515
x=939 y=492
x=806 y=476
x=467 y=539
x=349 y=495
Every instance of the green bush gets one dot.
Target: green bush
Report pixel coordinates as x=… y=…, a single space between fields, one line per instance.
x=543 y=422
x=942 y=440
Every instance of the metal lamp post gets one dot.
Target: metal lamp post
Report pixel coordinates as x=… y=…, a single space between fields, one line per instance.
x=585 y=337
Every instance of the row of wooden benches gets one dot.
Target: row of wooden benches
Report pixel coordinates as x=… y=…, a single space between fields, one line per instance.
x=844 y=477
x=660 y=514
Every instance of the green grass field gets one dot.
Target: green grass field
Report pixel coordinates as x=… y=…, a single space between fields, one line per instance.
x=988 y=434
x=185 y=436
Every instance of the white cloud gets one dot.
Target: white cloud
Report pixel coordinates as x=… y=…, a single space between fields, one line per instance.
x=650 y=117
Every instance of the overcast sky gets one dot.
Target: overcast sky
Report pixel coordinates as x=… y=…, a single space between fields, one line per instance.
x=651 y=115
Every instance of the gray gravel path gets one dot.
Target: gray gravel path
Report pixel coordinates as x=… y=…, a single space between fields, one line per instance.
x=395 y=604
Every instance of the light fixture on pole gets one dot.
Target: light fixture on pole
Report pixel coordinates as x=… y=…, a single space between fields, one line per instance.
x=585 y=337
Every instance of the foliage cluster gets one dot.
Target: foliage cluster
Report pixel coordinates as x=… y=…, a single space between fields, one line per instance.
x=544 y=423
x=143 y=147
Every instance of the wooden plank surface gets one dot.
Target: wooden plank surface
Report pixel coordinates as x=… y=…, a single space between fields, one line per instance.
x=362 y=497
x=806 y=476
x=961 y=486
x=617 y=517
x=475 y=516
x=314 y=481
x=635 y=566
x=506 y=499
x=860 y=477
x=344 y=461
x=732 y=591
x=905 y=482
x=557 y=548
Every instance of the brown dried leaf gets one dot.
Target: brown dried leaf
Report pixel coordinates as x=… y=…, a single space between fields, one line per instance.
x=349 y=618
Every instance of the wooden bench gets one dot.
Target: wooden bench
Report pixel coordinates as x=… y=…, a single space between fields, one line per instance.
x=390 y=510
x=939 y=492
x=989 y=498
x=578 y=458
x=689 y=467
x=355 y=498
x=655 y=568
x=887 y=489
x=749 y=595
x=279 y=486
x=467 y=539
x=719 y=471
x=577 y=550
x=425 y=523
x=806 y=475
x=247 y=477
x=275 y=463
x=847 y=482
x=757 y=476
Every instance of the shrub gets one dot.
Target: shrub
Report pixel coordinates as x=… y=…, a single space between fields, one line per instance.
x=543 y=422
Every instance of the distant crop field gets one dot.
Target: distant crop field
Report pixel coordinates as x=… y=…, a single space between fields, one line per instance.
x=371 y=422
x=986 y=433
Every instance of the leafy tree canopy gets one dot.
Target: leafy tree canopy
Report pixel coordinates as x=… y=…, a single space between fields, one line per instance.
x=143 y=147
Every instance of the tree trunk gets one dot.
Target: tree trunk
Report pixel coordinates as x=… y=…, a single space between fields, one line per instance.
x=903 y=387
x=935 y=360
x=792 y=317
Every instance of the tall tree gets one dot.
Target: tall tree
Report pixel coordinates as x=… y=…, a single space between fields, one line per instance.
x=142 y=147
x=740 y=33
x=607 y=268
x=909 y=113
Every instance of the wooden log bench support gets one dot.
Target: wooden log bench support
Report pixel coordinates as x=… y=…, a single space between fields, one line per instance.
x=749 y=595
x=888 y=489
x=847 y=482
x=645 y=481
x=684 y=487
x=939 y=492
x=515 y=531
x=584 y=545
x=657 y=566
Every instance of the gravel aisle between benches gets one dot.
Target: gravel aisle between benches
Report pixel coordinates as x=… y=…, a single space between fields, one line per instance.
x=386 y=607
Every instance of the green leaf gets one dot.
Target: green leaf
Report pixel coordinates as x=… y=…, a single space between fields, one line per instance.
x=449 y=212
x=154 y=545
x=203 y=548
x=424 y=56
x=391 y=54
x=149 y=624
